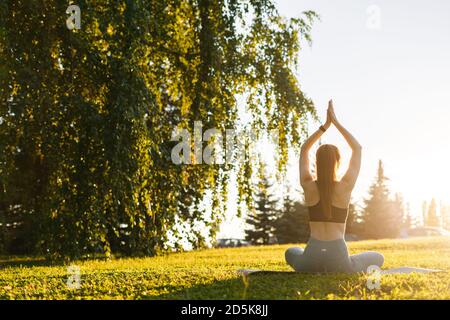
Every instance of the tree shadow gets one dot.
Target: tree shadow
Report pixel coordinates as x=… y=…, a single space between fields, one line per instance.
x=37 y=261
x=41 y=261
x=28 y=262
x=271 y=285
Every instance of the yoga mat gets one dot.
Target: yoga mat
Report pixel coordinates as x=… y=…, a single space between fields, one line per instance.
x=400 y=270
x=407 y=270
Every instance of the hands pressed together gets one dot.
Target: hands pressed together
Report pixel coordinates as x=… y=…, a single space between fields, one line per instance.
x=331 y=116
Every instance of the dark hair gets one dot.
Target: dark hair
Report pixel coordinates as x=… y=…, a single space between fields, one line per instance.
x=327 y=161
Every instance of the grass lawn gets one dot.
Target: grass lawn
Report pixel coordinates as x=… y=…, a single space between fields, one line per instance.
x=211 y=274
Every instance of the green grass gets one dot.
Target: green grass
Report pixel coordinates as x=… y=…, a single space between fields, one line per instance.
x=211 y=274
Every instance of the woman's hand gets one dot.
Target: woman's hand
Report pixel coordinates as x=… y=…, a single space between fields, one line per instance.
x=330 y=113
x=329 y=120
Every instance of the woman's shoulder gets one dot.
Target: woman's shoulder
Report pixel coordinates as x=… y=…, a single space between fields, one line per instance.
x=342 y=194
x=311 y=193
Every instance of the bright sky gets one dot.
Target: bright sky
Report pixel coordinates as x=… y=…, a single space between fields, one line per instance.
x=386 y=65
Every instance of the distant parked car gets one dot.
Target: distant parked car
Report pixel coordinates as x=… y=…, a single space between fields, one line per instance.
x=425 y=232
x=231 y=243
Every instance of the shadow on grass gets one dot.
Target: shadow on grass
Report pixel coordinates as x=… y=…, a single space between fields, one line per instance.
x=30 y=262
x=273 y=286
x=11 y=262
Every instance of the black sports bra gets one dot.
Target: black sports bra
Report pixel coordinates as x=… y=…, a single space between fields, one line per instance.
x=338 y=215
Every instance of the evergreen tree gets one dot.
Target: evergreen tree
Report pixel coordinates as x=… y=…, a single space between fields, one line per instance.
x=293 y=224
x=382 y=217
x=353 y=223
x=262 y=219
x=432 y=215
x=445 y=214
x=398 y=208
x=424 y=212
x=408 y=219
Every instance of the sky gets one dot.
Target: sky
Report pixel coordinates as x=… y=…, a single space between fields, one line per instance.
x=386 y=65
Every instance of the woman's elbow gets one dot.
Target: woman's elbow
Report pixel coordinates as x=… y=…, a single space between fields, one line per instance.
x=304 y=149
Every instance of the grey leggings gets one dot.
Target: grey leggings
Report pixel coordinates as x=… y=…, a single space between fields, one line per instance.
x=330 y=256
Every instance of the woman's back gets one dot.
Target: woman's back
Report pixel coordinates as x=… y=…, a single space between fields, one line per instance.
x=326 y=230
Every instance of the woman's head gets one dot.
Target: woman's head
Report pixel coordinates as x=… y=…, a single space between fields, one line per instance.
x=327 y=164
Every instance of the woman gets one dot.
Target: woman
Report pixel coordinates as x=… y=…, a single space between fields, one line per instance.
x=327 y=199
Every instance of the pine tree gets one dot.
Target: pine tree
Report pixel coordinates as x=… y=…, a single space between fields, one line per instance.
x=424 y=212
x=382 y=217
x=262 y=218
x=445 y=214
x=408 y=220
x=432 y=216
x=353 y=223
x=398 y=209
x=293 y=224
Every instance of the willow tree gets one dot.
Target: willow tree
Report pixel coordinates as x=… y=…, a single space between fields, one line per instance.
x=87 y=115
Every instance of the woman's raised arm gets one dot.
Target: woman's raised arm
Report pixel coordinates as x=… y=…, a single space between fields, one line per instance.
x=305 y=173
x=352 y=173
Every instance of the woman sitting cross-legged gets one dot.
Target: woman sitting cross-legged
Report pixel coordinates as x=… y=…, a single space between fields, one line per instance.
x=327 y=199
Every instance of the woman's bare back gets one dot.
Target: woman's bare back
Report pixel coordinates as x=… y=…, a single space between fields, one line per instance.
x=327 y=231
